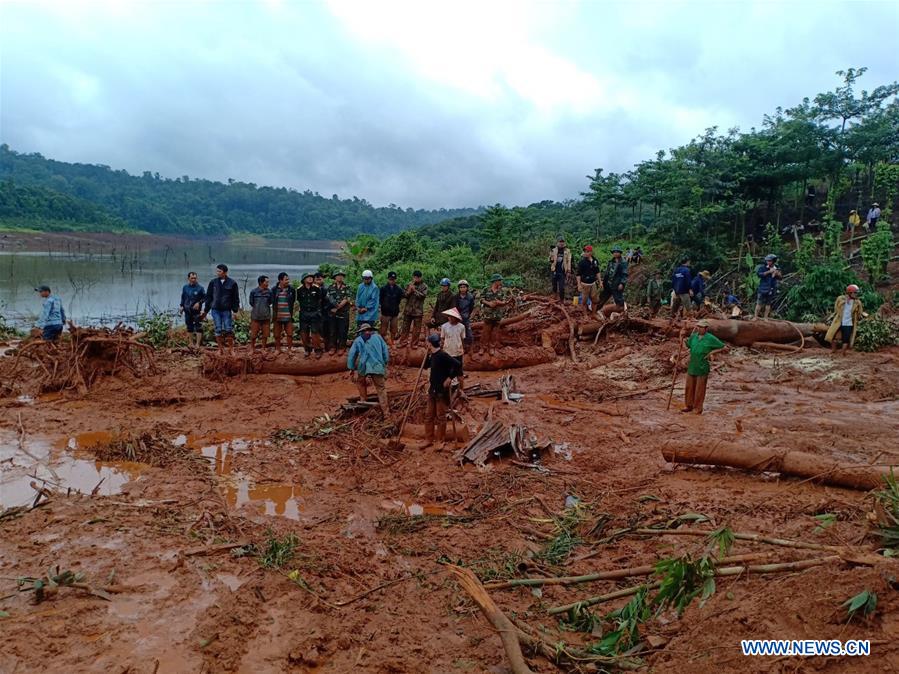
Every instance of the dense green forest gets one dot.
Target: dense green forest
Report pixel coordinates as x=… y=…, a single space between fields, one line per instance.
x=44 y=193
x=721 y=198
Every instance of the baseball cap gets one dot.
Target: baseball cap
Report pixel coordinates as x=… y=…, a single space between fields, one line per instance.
x=367 y=274
x=434 y=340
x=365 y=326
x=391 y=274
x=42 y=289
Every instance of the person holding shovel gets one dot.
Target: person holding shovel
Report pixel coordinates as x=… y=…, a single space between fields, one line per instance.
x=443 y=368
x=702 y=346
x=368 y=359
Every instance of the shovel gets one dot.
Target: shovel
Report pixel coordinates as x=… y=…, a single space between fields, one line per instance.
x=395 y=443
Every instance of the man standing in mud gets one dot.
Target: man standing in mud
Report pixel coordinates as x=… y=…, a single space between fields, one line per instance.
x=368 y=359
x=311 y=300
x=338 y=302
x=444 y=300
x=464 y=303
x=443 y=368
x=368 y=300
x=192 y=298
x=260 y=301
x=681 y=287
x=654 y=293
x=413 y=313
x=768 y=274
x=390 y=298
x=702 y=345
x=283 y=298
x=494 y=300
x=587 y=271
x=560 y=267
x=613 y=281
x=53 y=317
x=223 y=301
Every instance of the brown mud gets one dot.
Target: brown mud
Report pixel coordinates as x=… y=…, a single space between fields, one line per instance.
x=366 y=589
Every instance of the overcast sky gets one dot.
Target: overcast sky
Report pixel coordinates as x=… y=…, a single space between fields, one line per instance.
x=414 y=103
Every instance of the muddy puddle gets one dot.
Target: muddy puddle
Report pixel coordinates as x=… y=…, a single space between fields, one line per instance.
x=57 y=465
x=240 y=490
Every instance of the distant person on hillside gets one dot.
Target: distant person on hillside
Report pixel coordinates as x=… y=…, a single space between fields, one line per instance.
x=702 y=346
x=681 y=286
x=444 y=300
x=311 y=301
x=368 y=300
x=413 y=312
x=367 y=360
x=465 y=305
x=223 y=301
x=53 y=316
x=637 y=257
x=560 y=267
x=390 y=298
x=587 y=274
x=283 y=298
x=698 y=288
x=654 y=293
x=854 y=221
x=338 y=300
x=768 y=274
x=494 y=301
x=613 y=281
x=628 y=255
x=192 y=298
x=847 y=312
x=873 y=217
x=260 y=312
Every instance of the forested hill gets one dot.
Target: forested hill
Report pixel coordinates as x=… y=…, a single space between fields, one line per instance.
x=44 y=193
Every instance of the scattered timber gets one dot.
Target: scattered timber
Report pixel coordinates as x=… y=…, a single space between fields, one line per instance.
x=497 y=437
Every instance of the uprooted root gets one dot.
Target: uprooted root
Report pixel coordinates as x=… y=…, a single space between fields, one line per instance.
x=153 y=447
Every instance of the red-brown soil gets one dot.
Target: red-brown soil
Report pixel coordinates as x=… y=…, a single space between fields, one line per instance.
x=347 y=499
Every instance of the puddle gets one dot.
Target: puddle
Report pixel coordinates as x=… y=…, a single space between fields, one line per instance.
x=52 y=462
x=89 y=439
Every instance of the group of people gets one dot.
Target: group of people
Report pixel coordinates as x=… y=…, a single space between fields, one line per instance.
x=870 y=221
x=595 y=286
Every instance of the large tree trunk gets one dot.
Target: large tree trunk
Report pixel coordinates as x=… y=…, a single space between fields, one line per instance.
x=738 y=333
x=800 y=464
x=297 y=366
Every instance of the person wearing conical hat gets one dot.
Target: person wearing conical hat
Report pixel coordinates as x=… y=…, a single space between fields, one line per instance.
x=452 y=334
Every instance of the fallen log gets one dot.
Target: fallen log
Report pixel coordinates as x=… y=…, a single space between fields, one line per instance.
x=738 y=333
x=798 y=464
x=214 y=364
x=501 y=623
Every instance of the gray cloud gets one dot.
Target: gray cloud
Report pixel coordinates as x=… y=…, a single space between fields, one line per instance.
x=493 y=103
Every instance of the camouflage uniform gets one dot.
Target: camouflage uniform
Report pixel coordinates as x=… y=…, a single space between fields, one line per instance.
x=337 y=325
x=492 y=315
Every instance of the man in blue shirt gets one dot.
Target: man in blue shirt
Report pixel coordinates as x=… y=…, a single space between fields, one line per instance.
x=53 y=317
x=368 y=300
x=681 y=284
x=768 y=274
x=698 y=288
x=367 y=359
x=192 y=298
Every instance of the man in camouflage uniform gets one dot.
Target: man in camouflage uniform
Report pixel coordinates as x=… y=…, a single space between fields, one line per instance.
x=493 y=302
x=311 y=299
x=338 y=299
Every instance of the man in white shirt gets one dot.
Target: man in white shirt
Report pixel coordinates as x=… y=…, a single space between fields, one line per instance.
x=452 y=334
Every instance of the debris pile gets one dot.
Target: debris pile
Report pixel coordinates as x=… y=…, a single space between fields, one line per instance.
x=495 y=438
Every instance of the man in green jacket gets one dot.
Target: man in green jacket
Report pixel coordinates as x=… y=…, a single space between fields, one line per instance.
x=702 y=346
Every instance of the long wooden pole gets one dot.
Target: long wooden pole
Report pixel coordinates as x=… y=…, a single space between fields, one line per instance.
x=680 y=348
x=412 y=396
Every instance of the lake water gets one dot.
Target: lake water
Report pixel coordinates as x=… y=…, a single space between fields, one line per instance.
x=104 y=280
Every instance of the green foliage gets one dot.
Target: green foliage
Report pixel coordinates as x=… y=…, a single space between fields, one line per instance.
x=557 y=549
x=627 y=621
x=7 y=331
x=876 y=251
x=684 y=579
x=871 y=299
x=805 y=255
x=723 y=539
x=277 y=552
x=818 y=290
x=874 y=334
x=861 y=605
x=825 y=521
x=156 y=329
x=887 y=502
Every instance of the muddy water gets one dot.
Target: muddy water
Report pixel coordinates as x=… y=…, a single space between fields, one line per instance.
x=58 y=465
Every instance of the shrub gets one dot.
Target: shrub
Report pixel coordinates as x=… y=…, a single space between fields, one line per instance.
x=7 y=331
x=876 y=251
x=816 y=293
x=875 y=333
x=156 y=329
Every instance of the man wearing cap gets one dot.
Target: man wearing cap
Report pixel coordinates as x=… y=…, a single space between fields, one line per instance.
x=443 y=368
x=560 y=267
x=465 y=305
x=223 y=300
x=698 y=288
x=768 y=274
x=318 y=280
x=368 y=359
x=847 y=312
x=494 y=300
x=587 y=271
x=390 y=298
x=654 y=293
x=682 y=289
x=310 y=298
x=442 y=302
x=701 y=345
x=368 y=300
x=284 y=297
x=873 y=217
x=613 y=280
x=413 y=313
x=337 y=300
x=452 y=334
x=191 y=305
x=53 y=316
